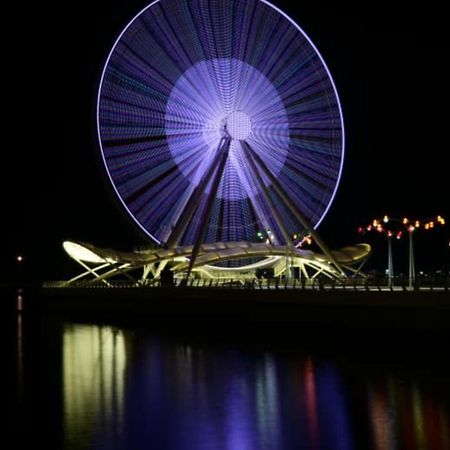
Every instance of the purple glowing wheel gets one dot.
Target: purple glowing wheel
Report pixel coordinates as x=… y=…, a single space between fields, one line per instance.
x=209 y=113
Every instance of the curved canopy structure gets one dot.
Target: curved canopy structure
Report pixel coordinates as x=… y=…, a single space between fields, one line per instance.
x=102 y=264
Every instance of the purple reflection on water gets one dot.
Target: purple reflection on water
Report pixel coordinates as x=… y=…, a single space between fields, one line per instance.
x=127 y=390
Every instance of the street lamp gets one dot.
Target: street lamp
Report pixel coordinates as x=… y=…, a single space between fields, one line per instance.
x=412 y=270
x=381 y=226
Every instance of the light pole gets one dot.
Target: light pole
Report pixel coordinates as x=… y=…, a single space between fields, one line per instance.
x=377 y=225
x=390 y=261
x=412 y=270
x=381 y=226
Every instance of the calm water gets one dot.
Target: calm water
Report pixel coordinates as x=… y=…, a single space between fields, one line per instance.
x=94 y=386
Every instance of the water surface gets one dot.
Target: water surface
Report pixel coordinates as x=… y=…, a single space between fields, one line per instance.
x=144 y=386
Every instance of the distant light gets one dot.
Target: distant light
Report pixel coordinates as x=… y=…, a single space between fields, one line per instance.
x=411 y=228
x=389 y=233
x=385 y=219
x=19 y=258
x=417 y=224
x=405 y=220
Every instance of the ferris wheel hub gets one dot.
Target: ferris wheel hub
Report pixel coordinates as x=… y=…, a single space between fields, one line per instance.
x=237 y=125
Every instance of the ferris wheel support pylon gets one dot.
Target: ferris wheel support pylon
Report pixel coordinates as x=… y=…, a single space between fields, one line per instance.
x=192 y=203
x=291 y=205
x=268 y=199
x=223 y=152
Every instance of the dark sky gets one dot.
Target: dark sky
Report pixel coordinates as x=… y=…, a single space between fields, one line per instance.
x=390 y=65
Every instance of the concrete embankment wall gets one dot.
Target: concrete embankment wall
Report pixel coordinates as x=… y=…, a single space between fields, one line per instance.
x=348 y=309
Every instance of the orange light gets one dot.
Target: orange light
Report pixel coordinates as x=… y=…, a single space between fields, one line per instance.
x=427 y=226
x=375 y=223
x=405 y=221
x=431 y=224
x=417 y=224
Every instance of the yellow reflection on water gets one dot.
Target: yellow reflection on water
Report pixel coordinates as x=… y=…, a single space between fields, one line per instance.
x=418 y=417
x=94 y=361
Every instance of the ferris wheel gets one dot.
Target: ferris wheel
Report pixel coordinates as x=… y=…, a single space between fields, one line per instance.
x=218 y=119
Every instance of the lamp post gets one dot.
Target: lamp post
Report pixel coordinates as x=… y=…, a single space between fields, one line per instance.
x=390 y=261
x=411 y=226
x=412 y=270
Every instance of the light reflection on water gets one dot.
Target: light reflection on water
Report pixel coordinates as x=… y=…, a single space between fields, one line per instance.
x=94 y=364
x=127 y=390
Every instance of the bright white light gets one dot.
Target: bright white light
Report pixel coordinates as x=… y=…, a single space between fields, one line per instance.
x=238 y=125
x=80 y=253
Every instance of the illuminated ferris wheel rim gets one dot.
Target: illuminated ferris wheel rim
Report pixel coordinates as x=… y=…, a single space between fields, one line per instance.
x=324 y=65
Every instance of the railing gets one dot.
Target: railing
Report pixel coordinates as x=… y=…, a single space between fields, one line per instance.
x=357 y=284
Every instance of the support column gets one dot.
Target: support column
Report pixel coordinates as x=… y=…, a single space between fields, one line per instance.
x=186 y=216
x=278 y=219
x=293 y=208
x=222 y=159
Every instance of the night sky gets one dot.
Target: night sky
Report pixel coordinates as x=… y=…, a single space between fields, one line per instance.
x=391 y=70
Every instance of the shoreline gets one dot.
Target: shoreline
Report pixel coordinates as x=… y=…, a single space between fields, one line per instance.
x=336 y=309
